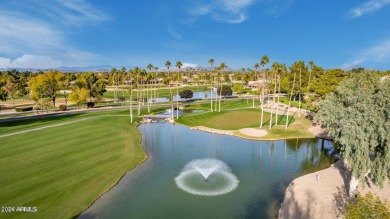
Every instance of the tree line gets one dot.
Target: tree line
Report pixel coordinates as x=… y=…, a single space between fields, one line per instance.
x=307 y=83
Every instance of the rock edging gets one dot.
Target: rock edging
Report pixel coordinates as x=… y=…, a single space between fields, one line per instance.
x=211 y=130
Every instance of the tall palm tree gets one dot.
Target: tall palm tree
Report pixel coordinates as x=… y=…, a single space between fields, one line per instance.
x=264 y=61
x=178 y=65
x=113 y=73
x=300 y=92
x=256 y=66
x=157 y=85
x=222 y=67
x=121 y=78
x=131 y=95
x=311 y=65
x=168 y=64
x=289 y=102
x=211 y=61
x=275 y=69
x=136 y=73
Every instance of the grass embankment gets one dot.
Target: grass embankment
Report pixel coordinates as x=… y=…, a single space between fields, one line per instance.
x=250 y=118
x=62 y=170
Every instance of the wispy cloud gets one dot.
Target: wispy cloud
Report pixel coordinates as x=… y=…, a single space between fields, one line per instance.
x=30 y=61
x=235 y=11
x=368 y=7
x=229 y=11
x=36 y=31
x=277 y=8
x=379 y=53
x=174 y=33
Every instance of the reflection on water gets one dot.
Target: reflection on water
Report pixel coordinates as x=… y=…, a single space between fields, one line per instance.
x=264 y=170
x=196 y=96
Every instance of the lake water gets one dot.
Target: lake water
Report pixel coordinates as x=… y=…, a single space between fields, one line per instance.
x=263 y=168
x=196 y=96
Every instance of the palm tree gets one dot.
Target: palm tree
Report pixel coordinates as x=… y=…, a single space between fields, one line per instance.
x=311 y=65
x=264 y=61
x=131 y=96
x=256 y=66
x=113 y=72
x=222 y=67
x=168 y=64
x=136 y=72
x=122 y=75
x=300 y=92
x=211 y=61
x=289 y=102
x=275 y=69
x=178 y=65
x=157 y=85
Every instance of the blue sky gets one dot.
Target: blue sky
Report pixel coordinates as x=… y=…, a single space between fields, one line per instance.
x=52 y=33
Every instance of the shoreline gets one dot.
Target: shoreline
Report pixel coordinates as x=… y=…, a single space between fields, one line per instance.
x=323 y=194
x=316 y=131
x=117 y=182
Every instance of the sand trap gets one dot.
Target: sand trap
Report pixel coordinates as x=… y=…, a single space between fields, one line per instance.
x=253 y=132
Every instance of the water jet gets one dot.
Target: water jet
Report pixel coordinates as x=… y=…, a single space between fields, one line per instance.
x=206 y=177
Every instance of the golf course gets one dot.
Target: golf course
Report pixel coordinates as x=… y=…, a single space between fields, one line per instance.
x=61 y=170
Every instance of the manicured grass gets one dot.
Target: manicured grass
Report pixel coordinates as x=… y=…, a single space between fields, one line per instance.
x=297 y=129
x=225 y=104
x=230 y=119
x=285 y=100
x=163 y=92
x=62 y=170
x=20 y=125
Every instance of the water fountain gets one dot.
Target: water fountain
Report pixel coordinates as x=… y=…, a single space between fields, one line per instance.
x=206 y=177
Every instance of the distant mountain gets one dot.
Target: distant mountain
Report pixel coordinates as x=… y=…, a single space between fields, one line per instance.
x=85 y=69
x=107 y=68
x=98 y=68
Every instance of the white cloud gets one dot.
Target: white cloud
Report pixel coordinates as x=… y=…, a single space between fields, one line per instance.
x=43 y=29
x=4 y=62
x=26 y=33
x=30 y=61
x=379 y=53
x=190 y=65
x=235 y=11
x=370 y=6
x=229 y=11
x=82 y=9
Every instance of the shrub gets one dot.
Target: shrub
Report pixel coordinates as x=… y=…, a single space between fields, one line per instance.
x=62 y=107
x=23 y=109
x=369 y=206
x=186 y=94
x=121 y=99
x=226 y=90
x=90 y=104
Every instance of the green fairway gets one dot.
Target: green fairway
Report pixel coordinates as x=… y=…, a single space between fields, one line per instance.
x=225 y=104
x=162 y=92
x=62 y=170
x=230 y=120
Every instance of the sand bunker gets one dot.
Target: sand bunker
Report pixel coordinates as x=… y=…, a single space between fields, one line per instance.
x=253 y=132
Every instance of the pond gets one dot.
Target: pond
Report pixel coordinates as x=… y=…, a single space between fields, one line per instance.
x=252 y=175
x=197 y=95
